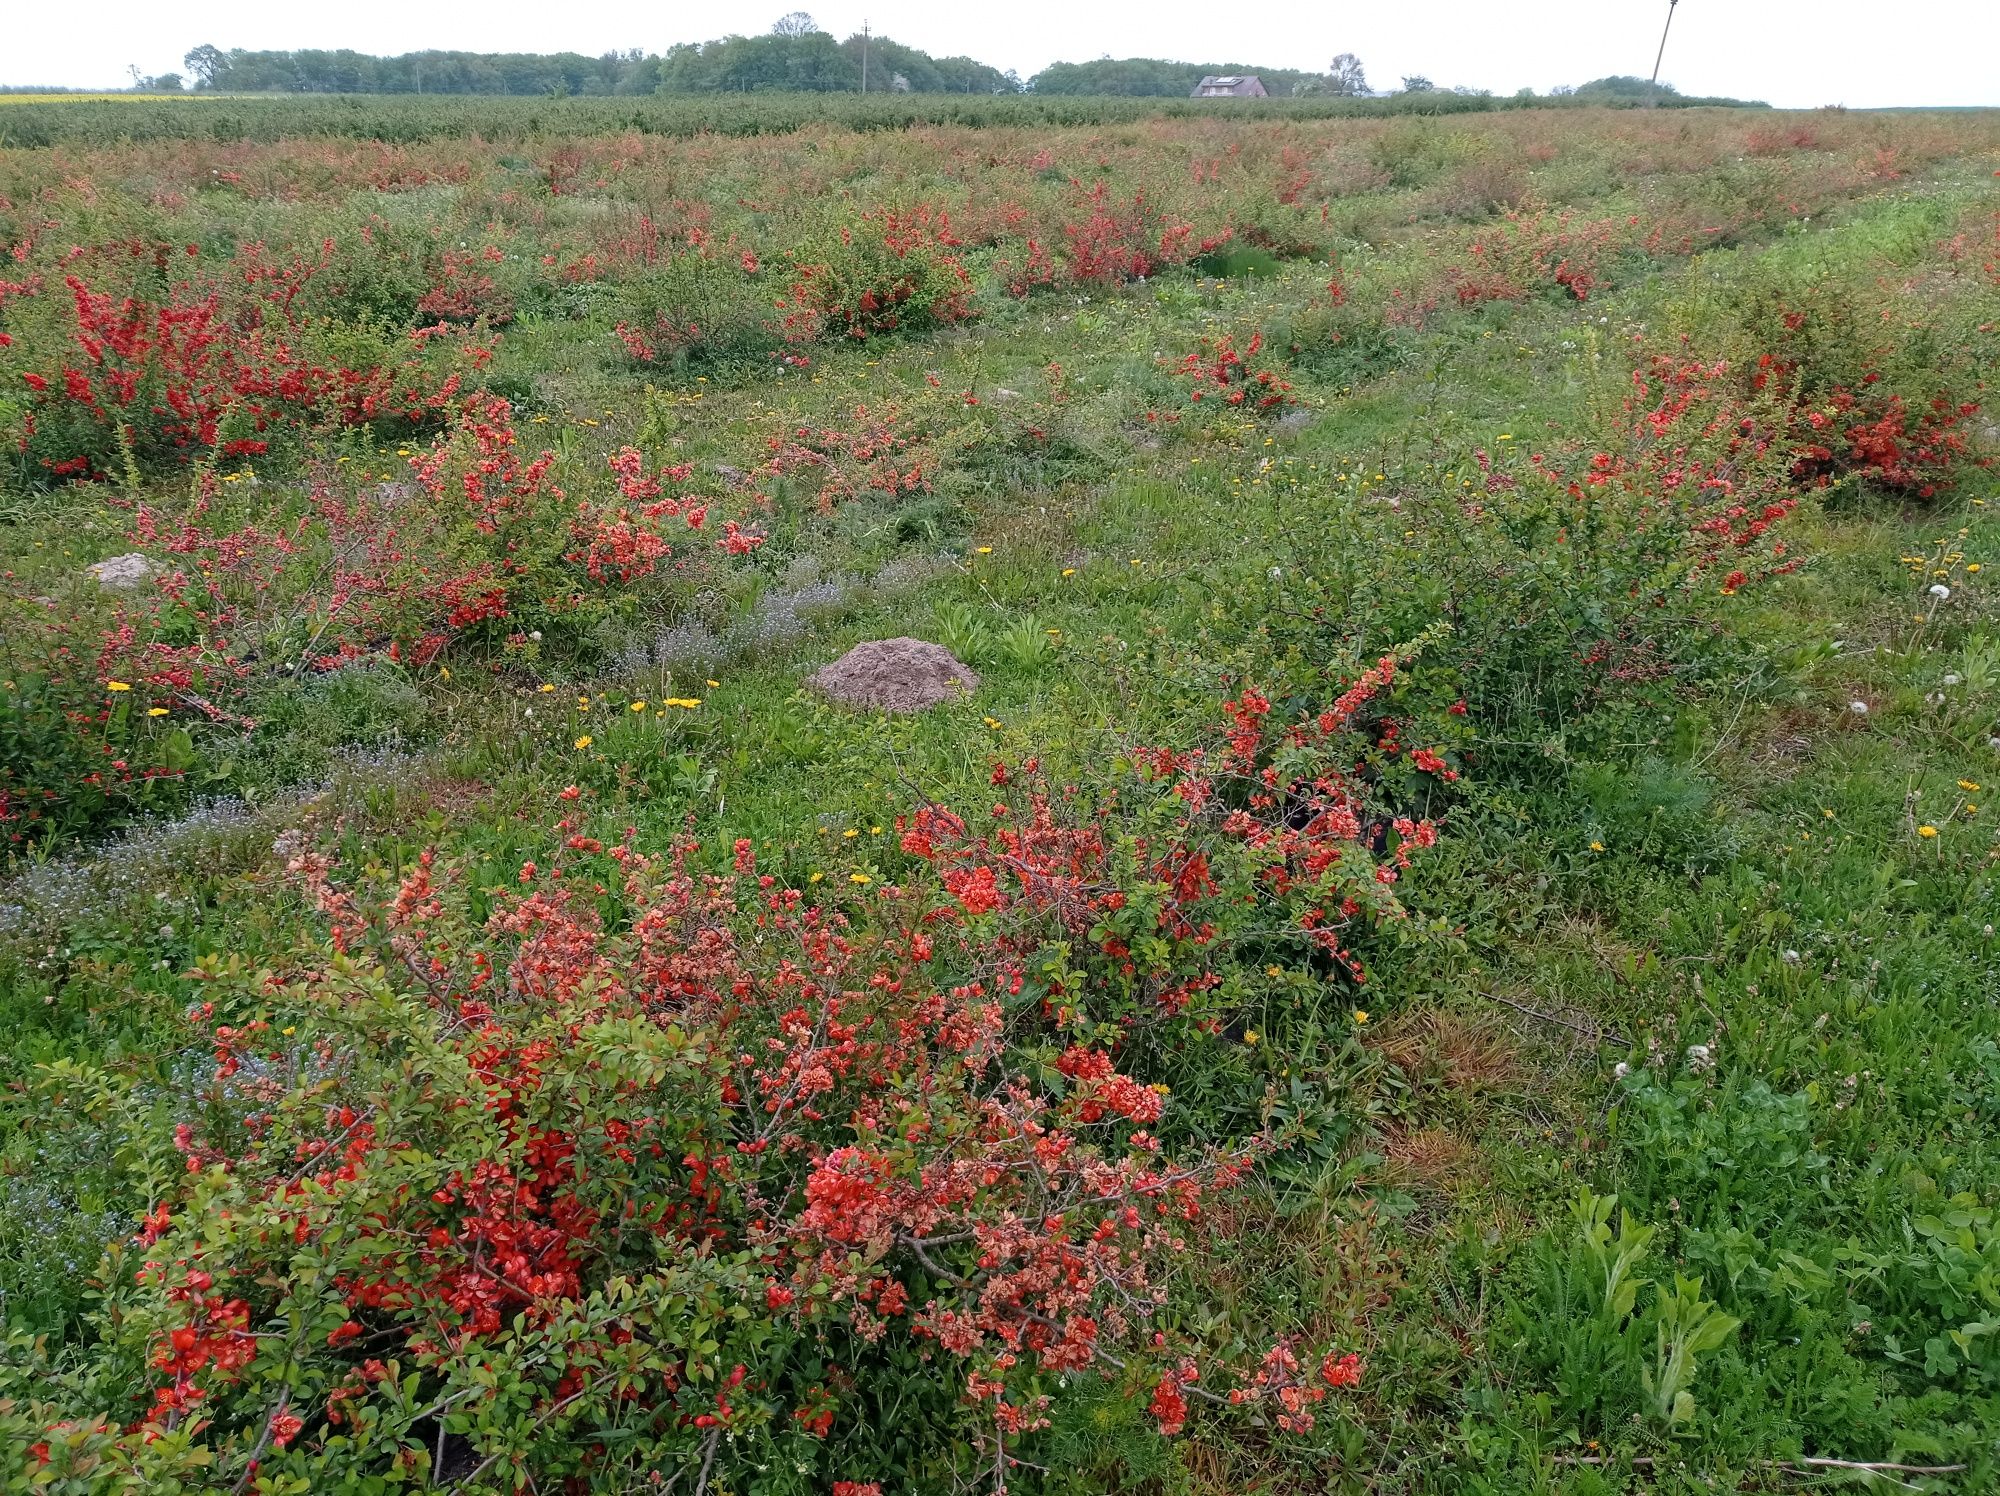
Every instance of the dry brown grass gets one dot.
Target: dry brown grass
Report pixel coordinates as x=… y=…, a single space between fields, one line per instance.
x=1468 y=1051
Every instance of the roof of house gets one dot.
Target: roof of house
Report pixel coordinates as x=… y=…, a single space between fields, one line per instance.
x=1229 y=85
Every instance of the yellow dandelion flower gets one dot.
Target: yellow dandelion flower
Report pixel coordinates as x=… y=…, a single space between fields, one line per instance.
x=1069 y=571
x=1274 y=971
x=815 y=877
x=444 y=673
x=638 y=706
x=584 y=741
x=1597 y=846
x=984 y=550
x=156 y=711
x=850 y=833
x=859 y=878
x=685 y=703
x=116 y=685
x=1251 y=1036
x=1360 y=1015
x=714 y=684
x=1927 y=832
x=1967 y=785
x=545 y=687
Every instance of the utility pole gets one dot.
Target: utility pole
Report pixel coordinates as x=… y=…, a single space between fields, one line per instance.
x=1653 y=92
x=864 y=55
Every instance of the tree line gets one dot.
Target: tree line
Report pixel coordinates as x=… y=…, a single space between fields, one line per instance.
x=795 y=56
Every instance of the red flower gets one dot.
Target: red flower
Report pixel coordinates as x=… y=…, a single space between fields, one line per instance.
x=1169 y=1404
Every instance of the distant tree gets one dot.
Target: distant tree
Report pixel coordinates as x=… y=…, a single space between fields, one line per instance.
x=1345 y=75
x=794 y=23
x=1620 y=86
x=207 y=64
x=1418 y=83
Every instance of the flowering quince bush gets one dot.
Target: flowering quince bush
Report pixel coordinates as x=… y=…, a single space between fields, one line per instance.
x=145 y=356
x=1864 y=409
x=1221 y=371
x=696 y=305
x=629 y=1167
x=480 y=547
x=1107 y=242
x=1582 y=574
x=1527 y=253
x=894 y=270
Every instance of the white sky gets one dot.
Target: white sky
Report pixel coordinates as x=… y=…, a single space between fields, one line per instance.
x=1794 y=53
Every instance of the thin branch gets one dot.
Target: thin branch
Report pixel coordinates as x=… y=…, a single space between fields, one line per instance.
x=707 y=1462
x=1596 y=1035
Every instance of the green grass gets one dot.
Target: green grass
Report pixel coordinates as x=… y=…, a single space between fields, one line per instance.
x=1693 y=950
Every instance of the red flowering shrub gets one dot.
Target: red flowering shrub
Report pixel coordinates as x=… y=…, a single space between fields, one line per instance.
x=890 y=271
x=1885 y=441
x=1222 y=371
x=480 y=548
x=690 y=305
x=880 y=451
x=1581 y=574
x=207 y=364
x=1530 y=253
x=695 y=1156
x=1863 y=407
x=1110 y=243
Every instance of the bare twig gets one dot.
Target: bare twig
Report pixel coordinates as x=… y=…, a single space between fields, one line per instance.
x=707 y=1461
x=1596 y=1034
x=1799 y=1466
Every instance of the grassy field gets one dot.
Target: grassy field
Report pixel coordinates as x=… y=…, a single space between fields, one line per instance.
x=1451 y=951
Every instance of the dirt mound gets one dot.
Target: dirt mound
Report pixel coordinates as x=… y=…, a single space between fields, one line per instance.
x=896 y=675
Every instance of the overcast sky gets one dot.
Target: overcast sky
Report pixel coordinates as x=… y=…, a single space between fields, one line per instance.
x=1794 y=53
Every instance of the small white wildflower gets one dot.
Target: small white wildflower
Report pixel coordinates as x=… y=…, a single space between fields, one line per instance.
x=1859 y=708
x=1792 y=956
x=1620 y=1070
x=1277 y=573
x=1700 y=1058
x=536 y=635
x=1940 y=591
